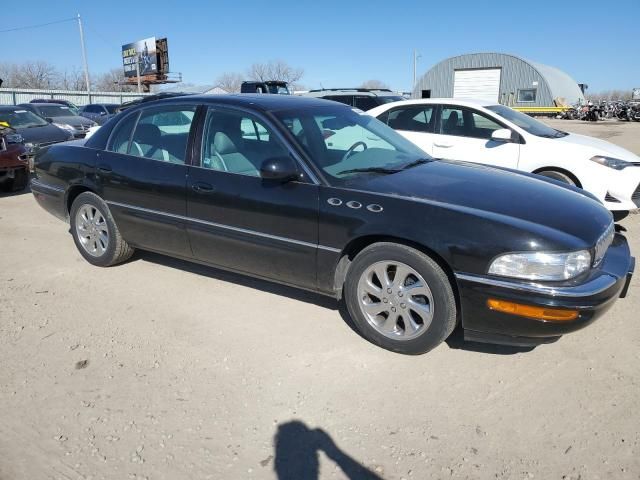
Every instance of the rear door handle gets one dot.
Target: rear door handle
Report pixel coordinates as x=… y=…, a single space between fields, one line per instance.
x=202 y=187
x=105 y=169
x=443 y=145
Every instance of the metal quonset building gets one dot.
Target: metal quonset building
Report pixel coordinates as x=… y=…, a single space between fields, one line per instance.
x=499 y=78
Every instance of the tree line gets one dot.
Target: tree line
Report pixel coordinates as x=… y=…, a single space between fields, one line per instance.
x=40 y=74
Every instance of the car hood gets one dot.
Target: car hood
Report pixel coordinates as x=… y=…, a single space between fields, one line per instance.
x=505 y=195
x=45 y=134
x=595 y=146
x=73 y=120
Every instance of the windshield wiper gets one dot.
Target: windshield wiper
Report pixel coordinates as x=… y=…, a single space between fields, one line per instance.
x=415 y=163
x=380 y=170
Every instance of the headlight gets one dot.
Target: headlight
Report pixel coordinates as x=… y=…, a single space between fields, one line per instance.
x=541 y=265
x=610 y=162
x=65 y=126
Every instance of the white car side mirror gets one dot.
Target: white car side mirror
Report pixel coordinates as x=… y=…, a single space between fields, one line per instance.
x=502 y=135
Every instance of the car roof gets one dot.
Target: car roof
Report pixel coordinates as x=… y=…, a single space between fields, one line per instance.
x=265 y=102
x=10 y=108
x=372 y=92
x=463 y=102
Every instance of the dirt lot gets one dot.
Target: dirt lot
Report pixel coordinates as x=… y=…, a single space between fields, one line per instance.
x=160 y=369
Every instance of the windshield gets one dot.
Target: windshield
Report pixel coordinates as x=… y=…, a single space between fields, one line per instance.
x=278 y=89
x=52 y=111
x=347 y=145
x=527 y=123
x=390 y=98
x=111 y=108
x=22 y=119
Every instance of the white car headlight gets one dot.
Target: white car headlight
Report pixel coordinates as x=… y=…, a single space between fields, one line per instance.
x=610 y=162
x=542 y=265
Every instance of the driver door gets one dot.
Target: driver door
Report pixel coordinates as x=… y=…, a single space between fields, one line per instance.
x=240 y=221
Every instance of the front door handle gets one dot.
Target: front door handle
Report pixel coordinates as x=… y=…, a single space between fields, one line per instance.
x=105 y=169
x=202 y=187
x=443 y=145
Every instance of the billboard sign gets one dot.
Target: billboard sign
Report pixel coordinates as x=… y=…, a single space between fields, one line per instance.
x=142 y=53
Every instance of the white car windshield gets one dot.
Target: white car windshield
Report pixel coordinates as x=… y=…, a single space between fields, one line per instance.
x=346 y=144
x=22 y=119
x=528 y=124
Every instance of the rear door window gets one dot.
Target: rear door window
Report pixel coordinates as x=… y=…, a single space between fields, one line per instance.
x=346 y=99
x=412 y=118
x=162 y=134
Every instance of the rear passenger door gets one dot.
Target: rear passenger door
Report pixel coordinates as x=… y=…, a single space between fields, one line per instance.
x=143 y=174
x=239 y=221
x=416 y=123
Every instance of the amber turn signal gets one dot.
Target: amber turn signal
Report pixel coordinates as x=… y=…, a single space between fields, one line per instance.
x=539 y=313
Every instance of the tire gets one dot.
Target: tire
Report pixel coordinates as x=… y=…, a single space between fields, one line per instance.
x=620 y=215
x=426 y=327
x=102 y=245
x=561 y=177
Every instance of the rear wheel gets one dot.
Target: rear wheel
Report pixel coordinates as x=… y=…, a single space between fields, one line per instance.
x=560 y=176
x=400 y=299
x=95 y=233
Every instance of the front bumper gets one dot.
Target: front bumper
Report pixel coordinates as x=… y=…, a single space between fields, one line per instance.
x=591 y=297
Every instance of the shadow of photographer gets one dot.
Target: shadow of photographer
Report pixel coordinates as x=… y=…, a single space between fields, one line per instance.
x=297 y=448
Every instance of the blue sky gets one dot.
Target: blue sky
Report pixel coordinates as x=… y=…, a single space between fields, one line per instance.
x=338 y=44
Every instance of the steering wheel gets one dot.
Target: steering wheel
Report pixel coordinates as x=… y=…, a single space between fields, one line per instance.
x=352 y=149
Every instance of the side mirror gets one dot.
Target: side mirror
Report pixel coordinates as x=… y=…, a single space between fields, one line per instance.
x=279 y=168
x=502 y=135
x=49 y=119
x=103 y=113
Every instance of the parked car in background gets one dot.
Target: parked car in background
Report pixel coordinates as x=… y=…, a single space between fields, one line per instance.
x=36 y=132
x=61 y=116
x=362 y=98
x=14 y=164
x=413 y=245
x=498 y=135
x=269 y=86
x=99 y=112
x=72 y=106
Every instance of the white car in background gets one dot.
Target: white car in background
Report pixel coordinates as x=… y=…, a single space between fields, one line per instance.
x=493 y=134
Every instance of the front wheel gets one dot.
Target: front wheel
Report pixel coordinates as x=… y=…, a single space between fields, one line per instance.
x=95 y=232
x=400 y=299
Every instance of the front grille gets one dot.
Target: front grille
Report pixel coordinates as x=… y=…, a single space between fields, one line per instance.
x=636 y=195
x=82 y=128
x=610 y=198
x=603 y=244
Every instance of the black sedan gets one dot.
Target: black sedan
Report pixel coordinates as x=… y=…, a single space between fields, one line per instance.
x=313 y=194
x=35 y=130
x=61 y=116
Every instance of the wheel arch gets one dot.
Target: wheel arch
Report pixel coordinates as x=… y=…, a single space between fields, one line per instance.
x=356 y=245
x=72 y=193
x=571 y=175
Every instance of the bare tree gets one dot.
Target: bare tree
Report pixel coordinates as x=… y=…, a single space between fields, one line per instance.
x=38 y=74
x=71 y=79
x=230 y=82
x=8 y=73
x=609 y=95
x=112 y=81
x=374 y=84
x=275 y=70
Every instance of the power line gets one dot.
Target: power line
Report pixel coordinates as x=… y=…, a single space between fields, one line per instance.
x=39 y=25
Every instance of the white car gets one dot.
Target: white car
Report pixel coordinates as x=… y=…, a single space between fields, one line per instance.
x=493 y=134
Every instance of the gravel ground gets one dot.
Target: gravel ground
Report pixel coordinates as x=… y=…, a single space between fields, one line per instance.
x=160 y=369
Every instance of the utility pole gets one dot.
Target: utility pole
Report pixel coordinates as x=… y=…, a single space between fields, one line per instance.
x=415 y=67
x=138 y=74
x=84 y=58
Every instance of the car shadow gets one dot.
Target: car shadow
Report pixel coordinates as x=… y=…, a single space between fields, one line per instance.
x=455 y=341
x=296 y=454
x=4 y=194
x=238 y=279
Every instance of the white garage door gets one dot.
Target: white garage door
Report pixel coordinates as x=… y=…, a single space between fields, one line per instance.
x=478 y=84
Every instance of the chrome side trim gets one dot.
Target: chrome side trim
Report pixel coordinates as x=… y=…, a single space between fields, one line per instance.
x=225 y=227
x=46 y=186
x=592 y=287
